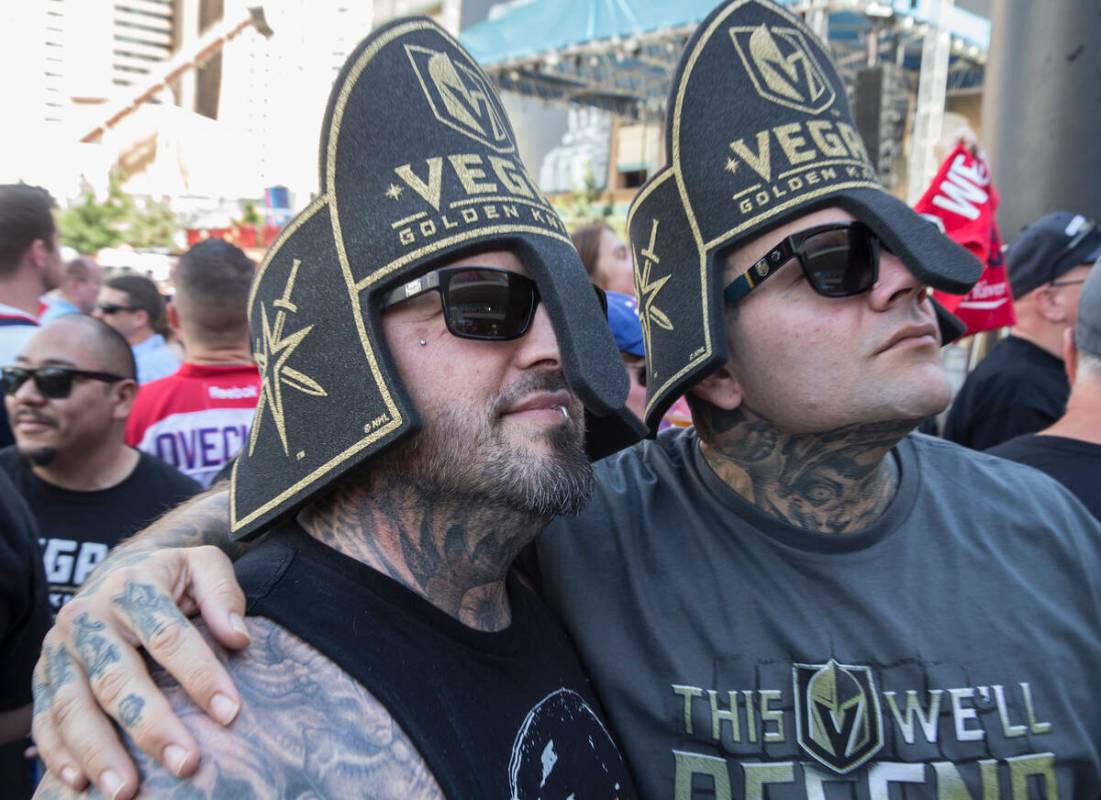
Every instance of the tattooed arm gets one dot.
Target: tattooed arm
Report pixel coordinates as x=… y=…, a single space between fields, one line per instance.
x=130 y=601
x=305 y=728
x=202 y=520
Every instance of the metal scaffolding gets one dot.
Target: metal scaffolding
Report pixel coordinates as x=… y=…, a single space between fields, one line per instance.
x=621 y=56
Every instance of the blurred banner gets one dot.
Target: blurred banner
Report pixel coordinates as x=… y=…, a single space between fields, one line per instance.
x=962 y=201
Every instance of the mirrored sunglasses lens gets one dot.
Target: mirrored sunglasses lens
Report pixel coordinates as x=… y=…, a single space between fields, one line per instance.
x=487 y=304
x=839 y=262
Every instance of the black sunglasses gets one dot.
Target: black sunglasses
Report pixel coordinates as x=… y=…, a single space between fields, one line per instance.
x=54 y=383
x=480 y=302
x=840 y=260
x=111 y=308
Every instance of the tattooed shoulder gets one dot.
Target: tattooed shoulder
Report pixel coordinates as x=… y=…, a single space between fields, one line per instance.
x=305 y=729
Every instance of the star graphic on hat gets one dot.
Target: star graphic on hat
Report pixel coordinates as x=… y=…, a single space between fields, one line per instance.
x=648 y=289
x=272 y=353
x=394 y=192
x=731 y=165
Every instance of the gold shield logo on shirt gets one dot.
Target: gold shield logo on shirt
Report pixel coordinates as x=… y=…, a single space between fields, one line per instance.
x=837 y=714
x=460 y=97
x=782 y=67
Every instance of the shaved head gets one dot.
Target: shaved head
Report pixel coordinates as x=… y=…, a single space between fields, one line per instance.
x=108 y=345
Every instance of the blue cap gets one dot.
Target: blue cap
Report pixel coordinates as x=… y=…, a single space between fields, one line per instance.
x=625 y=325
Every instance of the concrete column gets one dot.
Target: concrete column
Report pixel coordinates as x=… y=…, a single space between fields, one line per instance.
x=1042 y=109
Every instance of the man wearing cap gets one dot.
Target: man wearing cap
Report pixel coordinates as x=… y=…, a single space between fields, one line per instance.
x=1021 y=385
x=429 y=345
x=1070 y=450
x=800 y=597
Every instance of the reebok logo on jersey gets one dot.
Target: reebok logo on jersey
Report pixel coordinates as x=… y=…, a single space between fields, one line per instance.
x=232 y=392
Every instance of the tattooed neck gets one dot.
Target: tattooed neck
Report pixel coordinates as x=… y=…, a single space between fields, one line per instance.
x=835 y=482
x=453 y=551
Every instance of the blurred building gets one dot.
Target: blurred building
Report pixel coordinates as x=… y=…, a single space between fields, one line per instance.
x=602 y=68
x=195 y=102
x=192 y=100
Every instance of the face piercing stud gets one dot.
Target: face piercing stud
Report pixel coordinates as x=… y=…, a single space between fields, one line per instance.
x=423 y=343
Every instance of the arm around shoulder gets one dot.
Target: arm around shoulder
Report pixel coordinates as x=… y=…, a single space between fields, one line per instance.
x=305 y=727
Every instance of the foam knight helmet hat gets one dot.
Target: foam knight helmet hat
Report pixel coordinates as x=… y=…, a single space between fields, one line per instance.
x=419 y=167
x=758 y=133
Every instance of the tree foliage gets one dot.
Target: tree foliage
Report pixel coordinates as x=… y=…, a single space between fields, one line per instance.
x=92 y=224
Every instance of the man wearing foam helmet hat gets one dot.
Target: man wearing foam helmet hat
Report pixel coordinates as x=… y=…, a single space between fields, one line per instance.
x=429 y=345
x=800 y=597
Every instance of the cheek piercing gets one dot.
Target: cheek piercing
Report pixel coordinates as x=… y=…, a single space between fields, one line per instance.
x=423 y=343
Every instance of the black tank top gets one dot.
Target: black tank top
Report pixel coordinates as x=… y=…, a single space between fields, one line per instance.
x=508 y=714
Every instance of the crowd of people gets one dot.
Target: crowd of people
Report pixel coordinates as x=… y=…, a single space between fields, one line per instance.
x=431 y=555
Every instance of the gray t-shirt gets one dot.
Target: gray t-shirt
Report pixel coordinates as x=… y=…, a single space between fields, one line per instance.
x=952 y=650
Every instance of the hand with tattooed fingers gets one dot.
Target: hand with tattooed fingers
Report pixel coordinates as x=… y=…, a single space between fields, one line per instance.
x=91 y=669
x=305 y=729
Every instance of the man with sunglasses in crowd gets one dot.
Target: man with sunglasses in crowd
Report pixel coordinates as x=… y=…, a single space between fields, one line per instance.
x=1021 y=386
x=800 y=596
x=133 y=306
x=68 y=395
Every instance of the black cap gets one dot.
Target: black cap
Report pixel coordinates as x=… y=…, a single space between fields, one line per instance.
x=1049 y=248
x=759 y=133
x=1087 y=330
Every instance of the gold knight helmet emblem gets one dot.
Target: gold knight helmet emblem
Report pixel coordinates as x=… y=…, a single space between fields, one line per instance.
x=837 y=714
x=783 y=68
x=459 y=98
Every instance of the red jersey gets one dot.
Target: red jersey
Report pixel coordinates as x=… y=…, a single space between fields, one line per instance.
x=196 y=419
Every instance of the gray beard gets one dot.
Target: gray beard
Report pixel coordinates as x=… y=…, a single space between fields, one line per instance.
x=465 y=457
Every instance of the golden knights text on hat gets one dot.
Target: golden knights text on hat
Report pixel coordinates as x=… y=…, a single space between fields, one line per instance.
x=758 y=133
x=419 y=166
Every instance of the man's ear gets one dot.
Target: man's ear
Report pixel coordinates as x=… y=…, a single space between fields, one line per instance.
x=721 y=389
x=173 y=317
x=126 y=392
x=1049 y=304
x=39 y=253
x=1070 y=356
x=143 y=317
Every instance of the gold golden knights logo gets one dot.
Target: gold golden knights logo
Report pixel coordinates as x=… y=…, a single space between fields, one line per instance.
x=783 y=68
x=460 y=98
x=837 y=714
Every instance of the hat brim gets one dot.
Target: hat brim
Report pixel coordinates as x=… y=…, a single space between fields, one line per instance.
x=931 y=257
